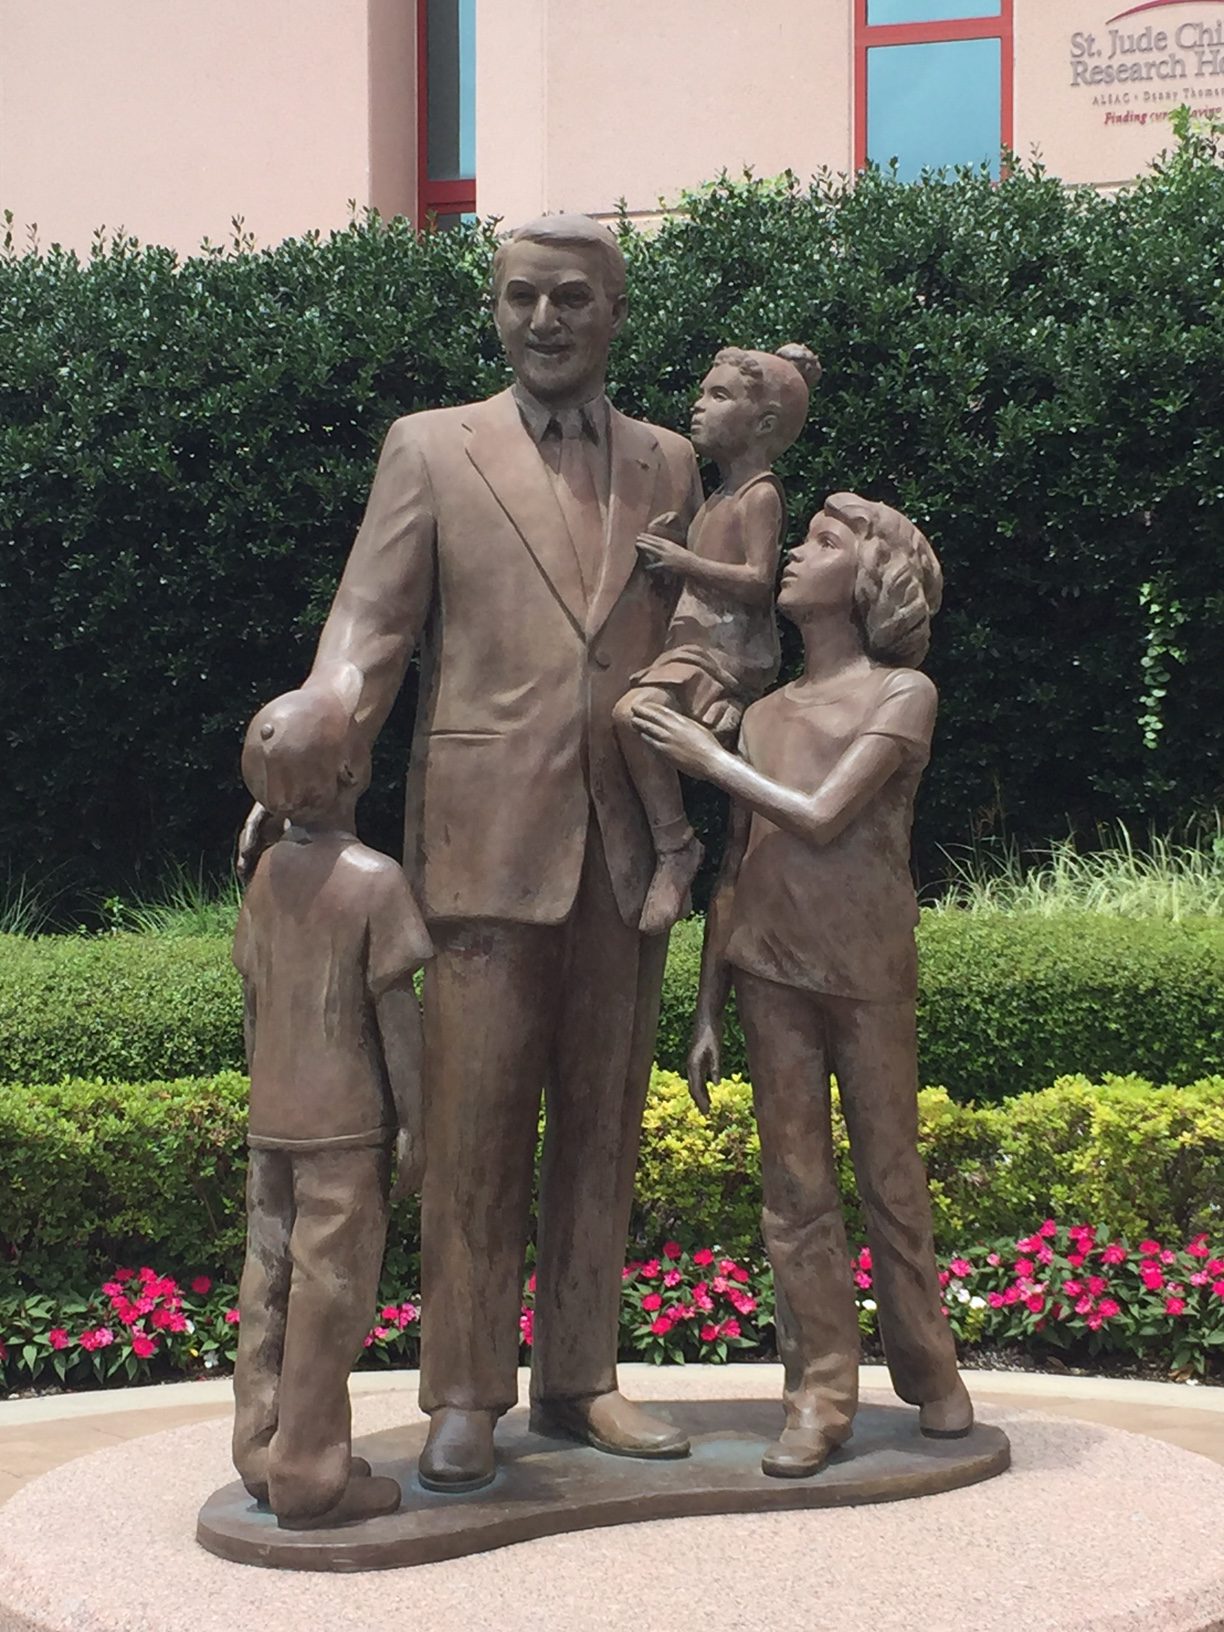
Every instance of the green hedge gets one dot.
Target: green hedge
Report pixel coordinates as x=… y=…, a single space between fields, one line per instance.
x=1009 y=1003
x=97 y=1175
x=1034 y=372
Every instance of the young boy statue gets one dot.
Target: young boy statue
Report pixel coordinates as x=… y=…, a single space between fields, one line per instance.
x=327 y=943
x=722 y=641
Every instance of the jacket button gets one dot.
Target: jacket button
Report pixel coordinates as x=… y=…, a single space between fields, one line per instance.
x=600 y=661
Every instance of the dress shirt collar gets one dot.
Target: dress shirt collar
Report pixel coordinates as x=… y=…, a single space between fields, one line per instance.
x=539 y=418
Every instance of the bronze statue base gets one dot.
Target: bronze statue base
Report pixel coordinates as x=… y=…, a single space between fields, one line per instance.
x=546 y=1486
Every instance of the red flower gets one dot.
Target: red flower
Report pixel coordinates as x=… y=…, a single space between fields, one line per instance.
x=1030 y=1243
x=1175 y=1306
x=672 y=1249
x=1035 y=1302
x=1075 y=1259
x=531 y=1282
x=1049 y=1228
x=1024 y=1269
x=1114 y=1253
x=662 y=1324
x=1218 y=1288
x=1107 y=1309
x=202 y=1285
x=147 y=1274
x=729 y=1328
x=1198 y=1247
x=1152 y=1277
x=1215 y=1267
x=113 y=1289
x=864 y=1258
x=1095 y=1321
x=944 y=1277
x=740 y=1274
x=652 y=1300
x=58 y=1338
x=391 y=1312
x=232 y=1317
x=1096 y=1285
x=1149 y=1249
x=123 y=1274
x=648 y=1271
x=1073 y=1289
x=3 y=1353
x=709 y=1332
x=996 y=1300
x=1084 y=1234
x=703 y=1256
x=142 y=1346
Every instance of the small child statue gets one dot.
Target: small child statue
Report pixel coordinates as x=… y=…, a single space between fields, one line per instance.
x=327 y=942
x=722 y=647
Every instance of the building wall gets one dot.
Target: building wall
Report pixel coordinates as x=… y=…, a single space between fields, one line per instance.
x=583 y=102
x=167 y=119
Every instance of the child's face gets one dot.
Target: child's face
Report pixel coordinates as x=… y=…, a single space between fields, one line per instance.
x=725 y=420
x=821 y=572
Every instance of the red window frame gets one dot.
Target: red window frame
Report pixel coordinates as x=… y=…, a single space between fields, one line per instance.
x=867 y=35
x=434 y=197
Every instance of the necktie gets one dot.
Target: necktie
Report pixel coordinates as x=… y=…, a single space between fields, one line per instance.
x=578 y=495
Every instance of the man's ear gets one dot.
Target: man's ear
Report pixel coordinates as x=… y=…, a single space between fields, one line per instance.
x=620 y=311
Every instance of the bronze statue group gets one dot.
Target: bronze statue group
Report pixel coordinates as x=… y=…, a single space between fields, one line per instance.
x=587 y=626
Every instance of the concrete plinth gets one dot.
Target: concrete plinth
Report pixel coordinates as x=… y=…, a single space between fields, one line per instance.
x=1092 y=1530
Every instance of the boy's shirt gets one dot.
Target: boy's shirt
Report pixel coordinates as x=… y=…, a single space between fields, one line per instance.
x=326 y=927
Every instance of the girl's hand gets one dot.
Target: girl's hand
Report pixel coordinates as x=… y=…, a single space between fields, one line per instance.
x=689 y=746
x=661 y=554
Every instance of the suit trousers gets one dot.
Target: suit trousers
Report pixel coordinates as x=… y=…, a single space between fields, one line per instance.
x=795 y=1039
x=316 y=1228
x=512 y=1010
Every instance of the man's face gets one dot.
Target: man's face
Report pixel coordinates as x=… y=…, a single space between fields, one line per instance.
x=557 y=320
x=725 y=419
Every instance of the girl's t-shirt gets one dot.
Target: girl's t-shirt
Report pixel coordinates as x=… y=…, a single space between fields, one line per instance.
x=837 y=918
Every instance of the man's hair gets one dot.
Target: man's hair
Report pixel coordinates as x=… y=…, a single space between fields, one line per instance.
x=565 y=231
x=899 y=585
x=779 y=383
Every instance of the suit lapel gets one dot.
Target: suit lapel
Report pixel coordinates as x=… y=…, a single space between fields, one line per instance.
x=502 y=451
x=635 y=469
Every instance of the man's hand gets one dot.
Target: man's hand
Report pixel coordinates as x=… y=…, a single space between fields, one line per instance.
x=258 y=831
x=409 y=1165
x=689 y=746
x=704 y=1062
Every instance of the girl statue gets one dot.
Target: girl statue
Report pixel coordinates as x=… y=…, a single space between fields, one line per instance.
x=813 y=921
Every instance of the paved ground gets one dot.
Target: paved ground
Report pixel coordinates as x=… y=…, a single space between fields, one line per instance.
x=37 y=1435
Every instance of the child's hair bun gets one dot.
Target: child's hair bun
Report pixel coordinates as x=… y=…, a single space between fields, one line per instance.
x=805 y=360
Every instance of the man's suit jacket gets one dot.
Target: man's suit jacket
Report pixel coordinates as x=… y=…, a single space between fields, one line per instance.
x=464 y=548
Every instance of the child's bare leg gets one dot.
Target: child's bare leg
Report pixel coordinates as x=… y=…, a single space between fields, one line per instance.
x=678 y=854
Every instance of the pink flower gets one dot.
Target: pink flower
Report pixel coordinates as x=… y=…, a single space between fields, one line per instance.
x=662 y=1324
x=1215 y=1266
x=1199 y=1278
x=961 y=1267
x=1175 y=1306
x=103 y=1337
x=1035 y=1302
x=740 y=1274
x=389 y=1313
x=1045 y=1254
x=382 y=1333
x=527 y=1326
x=1168 y=1257
x=730 y=1328
x=709 y=1332
x=1073 y=1289
x=142 y=1346
x=58 y=1338
x=1075 y=1259
x=652 y=1300
x=703 y=1256
x=996 y=1300
x=1198 y=1247
x=1024 y=1269
x=1152 y=1277
x=705 y=1303
x=1114 y=1253
x=232 y=1317
x=672 y=1277
x=1149 y=1249
x=742 y=1302
x=1218 y=1288
x=1049 y=1228
x=684 y=1311
x=147 y=1274
x=407 y=1314
x=1095 y=1321
x=113 y=1289
x=629 y=1271
x=672 y=1249
x=649 y=1270
x=726 y=1265
x=862 y=1279
x=993 y=1259
x=1030 y=1243
x=1084 y=1234
x=126 y=1310
x=1085 y=1305
x=123 y=1274
x=1012 y=1295
x=720 y=1283
x=944 y=1277
x=1096 y=1285
x=531 y=1282
x=864 y=1258
x=202 y=1285
x=367 y=1340
x=1107 y=1309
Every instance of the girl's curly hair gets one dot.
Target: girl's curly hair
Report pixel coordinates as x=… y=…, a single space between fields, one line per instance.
x=899 y=585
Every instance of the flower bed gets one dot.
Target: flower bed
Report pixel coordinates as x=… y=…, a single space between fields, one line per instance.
x=1061 y=1289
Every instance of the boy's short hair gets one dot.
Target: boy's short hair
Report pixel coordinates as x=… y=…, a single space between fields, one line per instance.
x=308 y=742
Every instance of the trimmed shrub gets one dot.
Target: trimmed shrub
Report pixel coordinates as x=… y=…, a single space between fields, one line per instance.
x=1008 y=1003
x=185 y=450
x=102 y=1174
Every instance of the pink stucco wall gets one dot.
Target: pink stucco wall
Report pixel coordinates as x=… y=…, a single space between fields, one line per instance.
x=168 y=117
x=582 y=102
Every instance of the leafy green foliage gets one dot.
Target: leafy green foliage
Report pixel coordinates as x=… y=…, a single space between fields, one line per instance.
x=1033 y=372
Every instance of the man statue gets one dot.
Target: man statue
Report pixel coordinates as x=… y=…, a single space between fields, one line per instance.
x=501 y=538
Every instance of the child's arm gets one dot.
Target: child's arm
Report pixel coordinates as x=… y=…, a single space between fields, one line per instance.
x=750 y=581
x=399 y=1027
x=714 y=986
x=818 y=817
